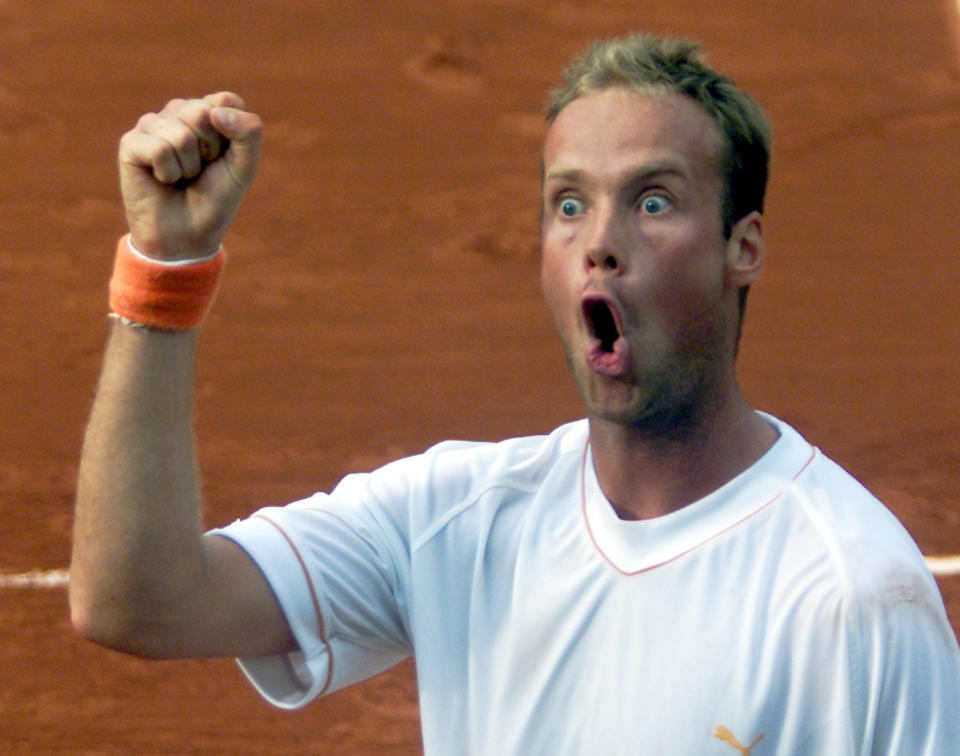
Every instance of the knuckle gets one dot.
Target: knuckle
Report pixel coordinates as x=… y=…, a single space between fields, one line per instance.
x=180 y=137
x=147 y=121
x=224 y=98
x=173 y=105
x=195 y=110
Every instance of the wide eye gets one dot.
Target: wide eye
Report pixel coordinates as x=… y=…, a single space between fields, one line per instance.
x=654 y=204
x=570 y=207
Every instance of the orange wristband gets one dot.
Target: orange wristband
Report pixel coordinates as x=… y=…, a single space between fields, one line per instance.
x=168 y=297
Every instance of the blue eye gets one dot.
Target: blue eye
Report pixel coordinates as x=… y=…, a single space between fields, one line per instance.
x=655 y=203
x=570 y=207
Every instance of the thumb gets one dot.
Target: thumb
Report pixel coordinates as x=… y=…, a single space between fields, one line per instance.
x=244 y=131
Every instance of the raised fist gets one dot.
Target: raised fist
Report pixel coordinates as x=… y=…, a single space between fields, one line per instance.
x=184 y=171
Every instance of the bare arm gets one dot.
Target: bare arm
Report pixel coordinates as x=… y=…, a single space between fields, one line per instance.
x=144 y=578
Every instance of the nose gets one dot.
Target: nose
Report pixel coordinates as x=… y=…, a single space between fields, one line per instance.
x=604 y=251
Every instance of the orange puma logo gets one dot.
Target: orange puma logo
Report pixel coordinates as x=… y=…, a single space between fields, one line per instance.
x=725 y=735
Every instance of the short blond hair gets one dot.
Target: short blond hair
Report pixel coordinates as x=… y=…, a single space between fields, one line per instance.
x=658 y=65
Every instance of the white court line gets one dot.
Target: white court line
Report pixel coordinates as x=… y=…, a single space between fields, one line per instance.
x=941 y=566
x=36 y=579
x=944 y=565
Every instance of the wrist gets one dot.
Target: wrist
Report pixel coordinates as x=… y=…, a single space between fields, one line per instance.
x=172 y=263
x=163 y=294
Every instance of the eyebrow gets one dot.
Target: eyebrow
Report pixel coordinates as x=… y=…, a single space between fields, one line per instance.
x=640 y=174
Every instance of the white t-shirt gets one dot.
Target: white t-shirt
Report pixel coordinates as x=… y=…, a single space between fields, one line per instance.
x=788 y=610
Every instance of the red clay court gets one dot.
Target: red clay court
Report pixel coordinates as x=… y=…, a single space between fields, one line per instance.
x=383 y=291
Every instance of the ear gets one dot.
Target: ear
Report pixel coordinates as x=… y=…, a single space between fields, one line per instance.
x=745 y=251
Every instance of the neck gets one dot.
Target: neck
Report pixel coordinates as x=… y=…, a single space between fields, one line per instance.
x=661 y=466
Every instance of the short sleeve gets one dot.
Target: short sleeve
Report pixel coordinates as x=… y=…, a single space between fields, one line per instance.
x=906 y=669
x=337 y=569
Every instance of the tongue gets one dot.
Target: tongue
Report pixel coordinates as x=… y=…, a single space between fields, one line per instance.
x=608 y=358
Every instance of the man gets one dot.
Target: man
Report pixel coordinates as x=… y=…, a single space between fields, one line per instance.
x=678 y=573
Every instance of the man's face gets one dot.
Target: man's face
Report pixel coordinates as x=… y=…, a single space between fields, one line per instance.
x=633 y=262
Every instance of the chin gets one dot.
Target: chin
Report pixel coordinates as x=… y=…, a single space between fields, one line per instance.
x=654 y=416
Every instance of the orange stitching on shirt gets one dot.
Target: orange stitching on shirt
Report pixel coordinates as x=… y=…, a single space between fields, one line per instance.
x=313 y=596
x=593 y=540
x=722 y=733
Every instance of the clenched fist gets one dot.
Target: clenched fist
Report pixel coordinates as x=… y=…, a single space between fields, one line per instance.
x=184 y=171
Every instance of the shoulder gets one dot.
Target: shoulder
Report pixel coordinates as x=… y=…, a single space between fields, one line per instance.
x=860 y=565
x=517 y=462
x=453 y=469
x=419 y=493
x=864 y=540
x=896 y=638
x=849 y=521
x=855 y=554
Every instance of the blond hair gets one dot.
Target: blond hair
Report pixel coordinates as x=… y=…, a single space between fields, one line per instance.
x=657 y=65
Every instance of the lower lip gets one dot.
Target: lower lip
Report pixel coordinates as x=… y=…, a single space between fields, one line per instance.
x=609 y=364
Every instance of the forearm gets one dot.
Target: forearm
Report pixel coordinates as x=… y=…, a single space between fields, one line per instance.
x=138 y=549
x=143 y=577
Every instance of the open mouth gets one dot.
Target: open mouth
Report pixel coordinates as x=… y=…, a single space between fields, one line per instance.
x=601 y=323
